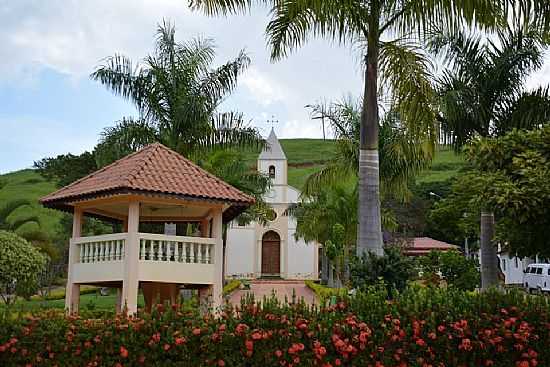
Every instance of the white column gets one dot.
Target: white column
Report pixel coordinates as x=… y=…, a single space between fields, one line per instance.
x=217 y=288
x=130 y=283
x=72 y=294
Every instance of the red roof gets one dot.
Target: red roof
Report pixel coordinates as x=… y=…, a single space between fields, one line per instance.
x=423 y=245
x=154 y=169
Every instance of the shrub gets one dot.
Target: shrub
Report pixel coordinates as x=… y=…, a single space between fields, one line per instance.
x=420 y=327
x=231 y=286
x=455 y=269
x=20 y=265
x=394 y=269
x=324 y=293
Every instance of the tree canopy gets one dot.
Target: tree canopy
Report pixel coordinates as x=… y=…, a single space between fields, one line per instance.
x=177 y=93
x=20 y=265
x=510 y=176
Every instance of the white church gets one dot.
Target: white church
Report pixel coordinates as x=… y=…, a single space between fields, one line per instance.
x=255 y=250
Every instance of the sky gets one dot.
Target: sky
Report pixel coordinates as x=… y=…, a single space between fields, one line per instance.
x=49 y=105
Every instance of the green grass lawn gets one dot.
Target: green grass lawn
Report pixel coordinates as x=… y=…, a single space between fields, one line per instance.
x=88 y=302
x=446 y=164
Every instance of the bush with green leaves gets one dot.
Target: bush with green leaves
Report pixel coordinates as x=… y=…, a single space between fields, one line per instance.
x=394 y=269
x=20 y=265
x=457 y=270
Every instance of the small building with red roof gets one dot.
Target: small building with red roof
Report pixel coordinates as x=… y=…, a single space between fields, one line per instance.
x=420 y=246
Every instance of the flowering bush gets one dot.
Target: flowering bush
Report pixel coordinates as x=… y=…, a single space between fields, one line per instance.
x=420 y=327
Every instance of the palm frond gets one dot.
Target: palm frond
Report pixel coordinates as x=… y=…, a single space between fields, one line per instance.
x=293 y=21
x=225 y=7
x=222 y=81
x=122 y=78
x=407 y=70
x=9 y=207
x=531 y=110
x=15 y=224
x=126 y=137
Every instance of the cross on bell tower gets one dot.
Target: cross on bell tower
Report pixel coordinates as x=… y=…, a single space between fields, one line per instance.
x=273 y=121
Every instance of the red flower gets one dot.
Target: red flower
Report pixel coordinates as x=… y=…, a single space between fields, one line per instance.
x=278 y=353
x=123 y=352
x=166 y=347
x=221 y=363
x=180 y=341
x=249 y=344
x=420 y=342
x=196 y=331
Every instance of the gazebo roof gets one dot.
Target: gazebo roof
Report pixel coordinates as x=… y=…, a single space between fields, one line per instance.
x=155 y=170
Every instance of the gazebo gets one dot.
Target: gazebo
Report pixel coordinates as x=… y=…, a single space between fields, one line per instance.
x=152 y=188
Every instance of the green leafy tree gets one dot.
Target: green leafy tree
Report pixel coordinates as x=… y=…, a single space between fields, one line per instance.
x=66 y=168
x=511 y=177
x=177 y=94
x=455 y=269
x=387 y=32
x=20 y=266
x=483 y=94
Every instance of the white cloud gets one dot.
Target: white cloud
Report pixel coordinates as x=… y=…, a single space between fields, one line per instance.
x=72 y=36
x=263 y=88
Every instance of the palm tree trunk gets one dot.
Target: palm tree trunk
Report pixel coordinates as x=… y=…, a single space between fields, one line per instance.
x=369 y=236
x=489 y=257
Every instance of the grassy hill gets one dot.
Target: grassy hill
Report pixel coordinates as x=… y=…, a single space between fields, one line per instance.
x=29 y=185
x=305 y=156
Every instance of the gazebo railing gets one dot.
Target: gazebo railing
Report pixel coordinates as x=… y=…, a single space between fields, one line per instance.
x=178 y=249
x=102 y=248
x=152 y=248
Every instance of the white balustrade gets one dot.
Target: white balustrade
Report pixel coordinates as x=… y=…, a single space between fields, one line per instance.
x=180 y=249
x=104 y=248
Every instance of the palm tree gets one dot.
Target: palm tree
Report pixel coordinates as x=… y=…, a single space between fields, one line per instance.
x=389 y=31
x=483 y=94
x=402 y=156
x=6 y=212
x=329 y=217
x=177 y=94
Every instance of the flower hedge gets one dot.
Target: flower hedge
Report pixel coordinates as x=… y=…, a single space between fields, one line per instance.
x=420 y=327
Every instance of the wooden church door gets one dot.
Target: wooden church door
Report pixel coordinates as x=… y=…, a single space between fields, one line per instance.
x=271 y=254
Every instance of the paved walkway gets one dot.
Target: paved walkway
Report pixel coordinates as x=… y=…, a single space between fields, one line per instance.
x=282 y=288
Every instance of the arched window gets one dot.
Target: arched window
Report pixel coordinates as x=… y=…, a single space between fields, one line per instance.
x=271 y=171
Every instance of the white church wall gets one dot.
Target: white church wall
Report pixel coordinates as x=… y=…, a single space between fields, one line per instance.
x=293 y=195
x=240 y=252
x=301 y=256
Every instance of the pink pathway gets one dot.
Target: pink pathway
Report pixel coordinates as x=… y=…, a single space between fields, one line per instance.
x=282 y=288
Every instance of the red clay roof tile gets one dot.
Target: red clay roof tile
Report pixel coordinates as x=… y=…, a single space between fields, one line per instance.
x=154 y=169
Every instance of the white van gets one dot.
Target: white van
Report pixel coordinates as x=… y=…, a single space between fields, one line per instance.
x=537 y=278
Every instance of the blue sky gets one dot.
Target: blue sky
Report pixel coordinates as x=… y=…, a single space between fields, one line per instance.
x=49 y=106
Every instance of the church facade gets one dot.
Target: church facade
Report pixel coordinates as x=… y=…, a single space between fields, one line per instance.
x=255 y=250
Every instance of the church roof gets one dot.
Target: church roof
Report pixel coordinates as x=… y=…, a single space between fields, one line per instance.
x=273 y=150
x=154 y=169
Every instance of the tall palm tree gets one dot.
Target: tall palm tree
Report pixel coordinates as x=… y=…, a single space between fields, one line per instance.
x=177 y=94
x=483 y=94
x=388 y=30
